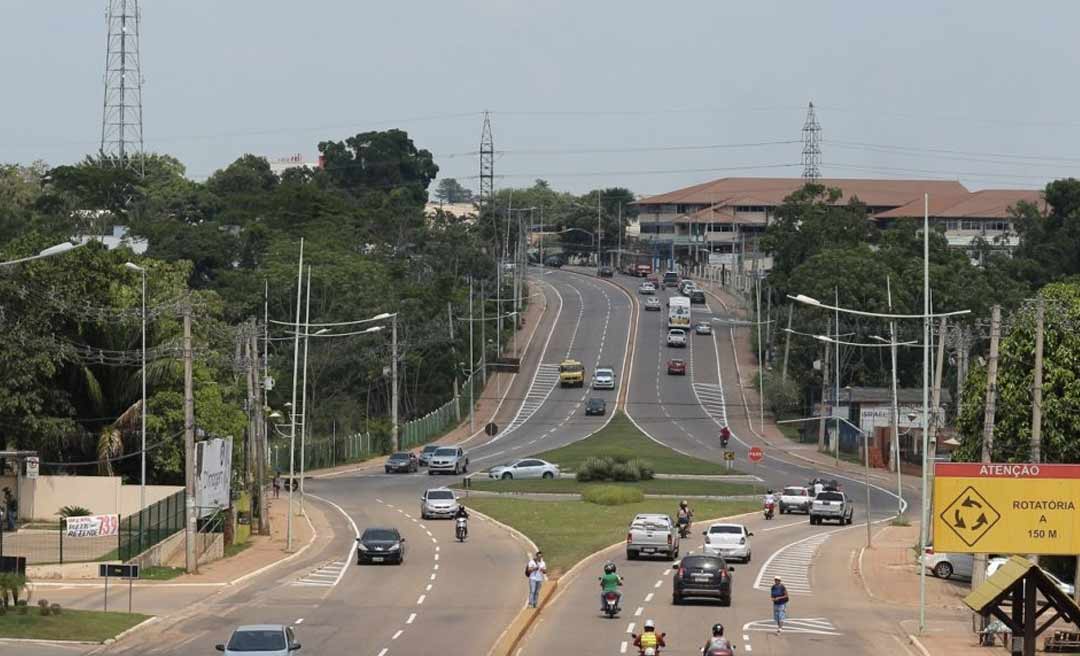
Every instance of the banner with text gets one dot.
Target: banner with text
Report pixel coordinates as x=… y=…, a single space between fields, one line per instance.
x=92 y=526
x=213 y=475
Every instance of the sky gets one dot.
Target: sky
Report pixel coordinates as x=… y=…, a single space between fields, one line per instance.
x=651 y=96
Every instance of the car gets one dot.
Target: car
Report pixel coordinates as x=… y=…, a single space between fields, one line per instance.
x=676 y=367
x=650 y=534
x=525 y=468
x=671 y=279
x=438 y=502
x=380 y=545
x=652 y=304
x=795 y=498
x=605 y=272
x=403 y=461
x=704 y=577
x=426 y=453
x=264 y=639
x=993 y=564
x=676 y=337
x=603 y=378
x=703 y=328
x=730 y=541
x=948 y=565
x=553 y=262
x=831 y=506
x=450 y=460
x=646 y=288
x=697 y=297
x=595 y=406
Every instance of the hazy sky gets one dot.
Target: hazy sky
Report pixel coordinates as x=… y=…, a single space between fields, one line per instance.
x=993 y=82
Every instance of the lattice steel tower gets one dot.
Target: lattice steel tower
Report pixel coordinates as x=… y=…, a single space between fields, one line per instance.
x=487 y=167
x=121 y=118
x=811 y=150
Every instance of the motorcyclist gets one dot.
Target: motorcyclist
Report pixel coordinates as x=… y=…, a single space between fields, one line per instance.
x=770 y=501
x=725 y=435
x=717 y=642
x=686 y=516
x=462 y=514
x=649 y=637
x=609 y=583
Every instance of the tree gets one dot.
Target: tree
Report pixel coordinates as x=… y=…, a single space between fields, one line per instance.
x=379 y=162
x=449 y=190
x=1050 y=245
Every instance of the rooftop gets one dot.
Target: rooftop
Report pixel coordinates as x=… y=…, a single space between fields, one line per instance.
x=772 y=191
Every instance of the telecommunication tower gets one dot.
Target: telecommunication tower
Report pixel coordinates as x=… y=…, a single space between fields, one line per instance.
x=487 y=167
x=121 y=118
x=811 y=151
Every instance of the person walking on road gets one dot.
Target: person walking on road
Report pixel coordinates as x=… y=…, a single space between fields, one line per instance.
x=535 y=571
x=277 y=484
x=779 y=603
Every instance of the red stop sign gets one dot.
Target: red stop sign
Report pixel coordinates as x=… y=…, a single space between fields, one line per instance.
x=756 y=454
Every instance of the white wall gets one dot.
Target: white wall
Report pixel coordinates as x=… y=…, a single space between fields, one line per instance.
x=42 y=498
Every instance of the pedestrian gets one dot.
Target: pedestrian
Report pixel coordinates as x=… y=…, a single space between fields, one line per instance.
x=535 y=571
x=779 y=603
x=11 y=508
x=277 y=484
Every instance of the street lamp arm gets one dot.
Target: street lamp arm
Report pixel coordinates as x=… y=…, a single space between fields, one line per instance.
x=880 y=315
x=824 y=338
x=379 y=317
x=62 y=247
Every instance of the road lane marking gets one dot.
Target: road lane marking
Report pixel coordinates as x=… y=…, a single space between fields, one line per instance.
x=639 y=611
x=436 y=558
x=398 y=634
x=378 y=499
x=648 y=597
x=436 y=566
x=412 y=616
x=421 y=599
x=299 y=621
x=811 y=626
x=383 y=652
x=630 y=627
x=433 y=577
x=792 y=563
x=428 y=588
x=658 y=584
x=622 y=647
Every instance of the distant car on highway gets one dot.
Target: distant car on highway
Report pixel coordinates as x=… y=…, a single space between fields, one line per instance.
x=676 y=337
x=831 y=506
x=676 y=367
x=702 y=577
x=646 y=288
x=263 y=639
x=438 y=502
x=525 y=468
x=605 y=272
x=651 y=534
x=595 y=406
x=380 y=545
x=403 y=461
x=697 y=297
x=703 y=328
x=553 y=262
x=426 y=453
x=603 y=378
x=652 y=304
x=448 y=460
x=795 y=498
x=730 y=541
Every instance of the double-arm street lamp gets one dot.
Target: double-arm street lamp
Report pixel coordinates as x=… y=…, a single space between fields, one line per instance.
x=142 y=451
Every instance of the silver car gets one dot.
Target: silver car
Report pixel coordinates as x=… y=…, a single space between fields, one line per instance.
x=261 y=640
x=525 y=468
x=438 y=502
x=604 y=378
x=449 y=460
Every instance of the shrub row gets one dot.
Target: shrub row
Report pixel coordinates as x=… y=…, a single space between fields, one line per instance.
x=612 y=495
x=618 y=469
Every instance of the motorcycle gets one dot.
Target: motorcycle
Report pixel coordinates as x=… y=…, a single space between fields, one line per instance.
x=648 y=651
x=611 y=604
x=719 y=651
x=684 y=528
x=462 y=529
x=770 y=508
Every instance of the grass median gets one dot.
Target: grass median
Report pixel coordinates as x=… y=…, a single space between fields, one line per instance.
x=82 y=625
x=673 y=486
x=621 y=438
x=568 y=531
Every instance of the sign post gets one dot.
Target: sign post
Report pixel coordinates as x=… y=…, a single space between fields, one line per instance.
x=129 y=572
x=729 y=459
x=756 y=454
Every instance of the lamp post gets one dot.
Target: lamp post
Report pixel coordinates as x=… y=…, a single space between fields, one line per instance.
x=142 y=449
x=62 y=247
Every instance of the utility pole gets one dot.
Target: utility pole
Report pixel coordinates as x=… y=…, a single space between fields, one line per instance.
x=598 y=229
x=836 y=382
x=189 y=447
x=978 y=572
x=303 y=389
x=824 y=390
x=472 y=362
x=251 y=442
x=1036 y=388
x=450 y=324
x=483 y=333
x=260 y=445
x=618 y=255
x=787 y=341
x=935 y=403
x=895 y=460
x=761 y=362
x=292 y=407
x=394 y=384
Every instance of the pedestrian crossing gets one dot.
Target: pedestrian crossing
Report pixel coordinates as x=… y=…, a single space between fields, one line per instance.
x=807 y=625
x=326 y=576
x=711 y=397
x=545 y=380
x=792 y=564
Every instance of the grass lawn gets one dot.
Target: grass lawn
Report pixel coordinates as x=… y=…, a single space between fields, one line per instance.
x=687 y=487
x=568 y=531
x=622 y=438
x=234 y=548
x=160 y=573
x=88 y=625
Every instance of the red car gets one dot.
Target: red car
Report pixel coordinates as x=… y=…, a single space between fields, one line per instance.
x=676 y=367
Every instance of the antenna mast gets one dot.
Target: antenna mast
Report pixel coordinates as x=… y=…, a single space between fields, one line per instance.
x=121 y=117
x=811 y=151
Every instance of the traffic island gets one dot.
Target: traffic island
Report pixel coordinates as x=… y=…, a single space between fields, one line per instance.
x=84 y=626
x=681 y=487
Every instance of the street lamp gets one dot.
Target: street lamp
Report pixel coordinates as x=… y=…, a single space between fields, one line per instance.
x=62 y=247
x=142 y=451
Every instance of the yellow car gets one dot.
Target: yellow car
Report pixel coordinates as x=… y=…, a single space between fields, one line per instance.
x=571 y=373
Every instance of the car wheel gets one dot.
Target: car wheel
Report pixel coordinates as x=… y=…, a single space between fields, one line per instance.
x=943 y=570
x=676 y=600
x=507 y=476
x=465 y=469
x=781 y=510
x=431 y=472
x=387 y=470
x=748 y=557
x=726 y=601
x=548 y=475
x=630 y=555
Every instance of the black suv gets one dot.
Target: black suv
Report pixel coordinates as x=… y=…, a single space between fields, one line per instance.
x=605 y=272
x=697 y=297
x=702 y=576
x=595 y=406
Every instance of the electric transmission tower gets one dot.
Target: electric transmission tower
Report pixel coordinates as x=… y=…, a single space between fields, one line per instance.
x=487 y=168
x=121 y=118
x=811 y=150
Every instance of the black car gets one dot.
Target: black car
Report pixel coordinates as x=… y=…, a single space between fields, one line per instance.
x=426 y=453
x=697 y=297
x=605 y=272
x=404 y=461
x=554 y=262
x=380 y=545
x=702 y=576
x=595 y=407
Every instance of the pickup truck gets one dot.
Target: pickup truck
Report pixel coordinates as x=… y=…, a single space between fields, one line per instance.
x=794 y=499
x=650 y=534
x=831 y=506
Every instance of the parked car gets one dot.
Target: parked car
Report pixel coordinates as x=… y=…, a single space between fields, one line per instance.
x=652 y=304
x=703 y=327
x=450 y=460
x=795 y=499
x=525 y=468
x=651 y=534
x=438 y=502
x=595 y=406
x=646 y=288
x=730 y=541
x=553 y=262
x=268 y=639
x=603 y=378
x=426 y=453
x=702 y=576
x=380 y=545
x=605 y=272
x=831 y=506
x=948 y=565
x=676 y=337
x=403 y=461
x=676 y=367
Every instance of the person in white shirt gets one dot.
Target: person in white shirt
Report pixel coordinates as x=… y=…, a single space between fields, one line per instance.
x=536 y=572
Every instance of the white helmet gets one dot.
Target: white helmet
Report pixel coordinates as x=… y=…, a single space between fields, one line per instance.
x=649 y=624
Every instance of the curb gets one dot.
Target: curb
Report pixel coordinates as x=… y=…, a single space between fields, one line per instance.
x=124 y=634
x=918 y=645
x=37 y=641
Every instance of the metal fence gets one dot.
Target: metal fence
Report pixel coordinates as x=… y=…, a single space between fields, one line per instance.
x=44 y=543
x=439 y=421
x=151 y=525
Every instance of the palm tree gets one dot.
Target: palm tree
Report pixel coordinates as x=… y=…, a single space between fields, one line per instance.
x=111 y=440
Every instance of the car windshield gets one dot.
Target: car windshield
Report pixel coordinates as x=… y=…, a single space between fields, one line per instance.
x=446 y=452
x=737 y=530
x=263 y=640
x=440 y=494
x=603 y=372
x=830 y=496
x=429 y=448
x=572 y=368
x=794 y=492
x=596 y=402
x=400 y=456
x=701 y=562
x=379 y=535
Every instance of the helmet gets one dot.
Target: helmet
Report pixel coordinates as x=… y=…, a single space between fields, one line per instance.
x=770 y=490
x=682 y=504
x=609 y=567
x=650 y=625
x=717 y=630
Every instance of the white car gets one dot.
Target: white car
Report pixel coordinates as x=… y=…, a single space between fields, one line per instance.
x=795 y=499
x=525 y=468
x=652 y=304
x=729 y=541
x=948 y=565
x=647 y=288
x=604 y=378
x=994 y=564
x=676 y=337
x=703 y=328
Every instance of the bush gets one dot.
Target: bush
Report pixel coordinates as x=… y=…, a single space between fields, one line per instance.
x=74 y=511
x=625 y=473
x=21 y=608
x=595 y=469
x=43 y=606
x=619 y=469
x=782 y=397
x=612 y=495
x=12 y=586
x=55 y=608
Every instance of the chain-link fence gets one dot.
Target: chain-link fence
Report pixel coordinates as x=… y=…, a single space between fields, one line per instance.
x=436 y=423
x=151 y=525
x=45 y=543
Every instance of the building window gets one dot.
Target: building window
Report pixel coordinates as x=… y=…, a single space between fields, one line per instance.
x=952 y=225
x=970 y=224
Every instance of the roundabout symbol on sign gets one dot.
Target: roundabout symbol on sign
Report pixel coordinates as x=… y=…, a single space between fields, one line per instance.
x=756 y=454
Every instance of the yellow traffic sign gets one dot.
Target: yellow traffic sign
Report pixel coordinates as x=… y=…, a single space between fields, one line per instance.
x=1006 y=508
x=729 y=455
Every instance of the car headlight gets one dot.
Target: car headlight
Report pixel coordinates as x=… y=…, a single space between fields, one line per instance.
x=394 y=547
x=360 y=546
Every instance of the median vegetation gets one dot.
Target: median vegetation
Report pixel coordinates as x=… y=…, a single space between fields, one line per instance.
x=692 y=487
x=28 y=622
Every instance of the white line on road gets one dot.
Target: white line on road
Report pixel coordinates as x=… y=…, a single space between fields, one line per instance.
x=299 y=621
x=398 y=634
x=421 y=599
x=383 y=652
x=428 y=589
x=433 y=577
x=622 y=647
x=412 y=616
x=630 y=627
x=639 y=611
x=648 y=597
x=658 y=584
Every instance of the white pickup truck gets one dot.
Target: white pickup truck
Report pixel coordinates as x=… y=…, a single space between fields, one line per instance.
x=651 y=534
x=795 y=499
x=833 y=506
